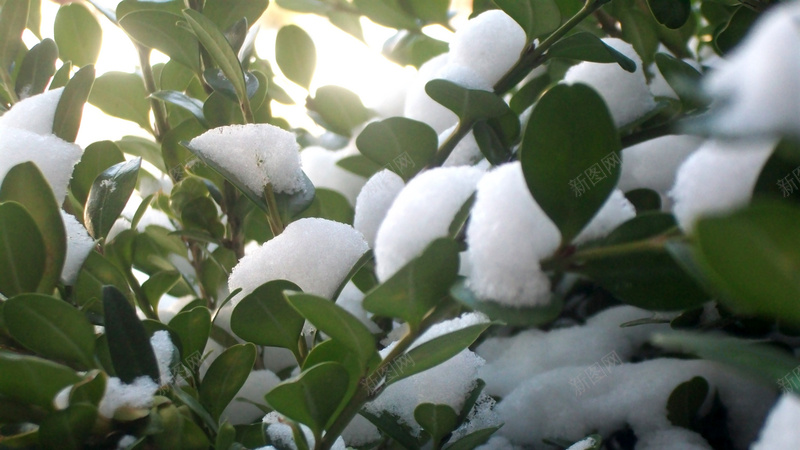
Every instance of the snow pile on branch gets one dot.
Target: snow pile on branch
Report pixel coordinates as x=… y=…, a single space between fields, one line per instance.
x=757 y=87
x=374 y=201
x=319 y=164
x=421 y=213
x=719 y=177
x=653 y=164
x=256 y=153
x=137 y=395
x=626 y=94
x=508 y=234
x=616 y=210
x=35 y=114
x=242 y=412
x=780 y=431
x=315 y=254
x=79 y=245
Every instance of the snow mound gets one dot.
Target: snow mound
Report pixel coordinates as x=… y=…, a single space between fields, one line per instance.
x=615 y=211
x=138 y=394
x=319 y=164
x=34 y=114
x=164 y=351
x=465 y=153
x=490 y=44
x=374 y=201
x=79 y=245
x=653 y=164
x=780 y=430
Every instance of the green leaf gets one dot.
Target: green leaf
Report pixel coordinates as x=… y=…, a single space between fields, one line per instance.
x=337 y=323
x=69 y=111
x=37 y=68
x=220 y=83
x=683 y=79
x=122 y=95
x=413 y=48
x=156 y=29
x=90 y=389
x=126 y=7
x=437 y=420
x=193 y=327
x=144 y=148
x=201 y=214
x=159 y=284
x=219 y=49
x=419 y=286
x=388 y=13
x=759 y=274
x=312 y=397
x=51 y=327
x=296 y=54
x=671 y=13
x=78 y=34
x=304 y=6
x=394 y=428
x=685 y=401
x=473 y=440
x=728 y=36
x=97 y=272
x=639 y=29
x=521 y=317
x=347 y=22
x=469 y=105
x=131 y=352
x=225 y=13
x=337 y=109
x=97 y=157
x=193 y=105
x=434 y=11
x=536 y=17
x=264 y=317
x=225 y=377
x=570 y=156
x=26 y=185
x=33 y=380
x=585 y=46
x=404 y=146
x=359 y=165
x=13 y=19
x=68 y=429
x=108 y=196
x=22 y=251
x=330 y=205
x=61 y=77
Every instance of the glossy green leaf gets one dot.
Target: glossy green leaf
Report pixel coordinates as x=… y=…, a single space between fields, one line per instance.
x=131 y=352
x=201 y=215
x=109 y=194
x=312 y=397
x=37 y=68
x=570 y=156
x=359 y=165
x=585 y=46
x=469 y=105
x=26 y=185
x=225 y=13
x=638 y=28
x=337 y=109
x=68 y=429
x=193 y=105
x=78 y=34
x=330 y=205
x=402 y=145
x=336 y=322
x=51 y=327
x=296 y=54
x=13 y=19
x=758 y=275
x=728 y=36
x=524 y=316
x=225 y=377
x=682 y=78
x=671 y=13
x=685 y=401
x=157 y=29
x=220 y=83
x=90 y=389
x=97 y=157
x=437 y=420
x=264 y=317
x=536 y=17
x=69 y=111
x=193 y=327
x=473 y=440
x=122 y=95
x=33 y=380
x=22 y=251
x=388 y=13
x=419 y=286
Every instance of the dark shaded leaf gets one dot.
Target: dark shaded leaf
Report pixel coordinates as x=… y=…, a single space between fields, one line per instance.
x=585 y=46
x=685 y=401
x=68 y=429
x=128 y=344
x=37 y=68
x=22 y=251
x=671 y=13
x=225 y=377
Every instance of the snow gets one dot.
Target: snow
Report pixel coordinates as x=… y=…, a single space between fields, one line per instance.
x=673 y=438
x=653 y=164
x=352 y=299
x=780 y=430
x=465 y=153
x=615 y=211
x=138 y=395
x=126 y=441
x=490 y=44
x=165 y=353
x=756 y=88
x=54 y=157
x=281 y=433
x=34 y=114
x=242 y=412
x=360 y=431
x=497 y=443
x=277 y=359
x=373 y=203
x=508 y=234
x=319 y=164
x=626 y=94
x=481 y=416
x=718 y=178
x=583 y=444
x=421 y=213
x=257 y=153
x=315 y=254
x=79 y=245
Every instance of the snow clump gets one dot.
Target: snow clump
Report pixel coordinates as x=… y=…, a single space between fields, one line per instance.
x=616 y=210
x=280 y=433
x=79 y=245
x=652 y=164
x=374 y=201
x=35 y=114
x=780 y=430
x=319 y=164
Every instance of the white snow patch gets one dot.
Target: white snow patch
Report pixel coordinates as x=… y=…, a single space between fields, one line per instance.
x=583 y=444
x=615 y=211
x=281 y=433
x=320 y=166
x=780 y=430
x=373 y=203
x=653 y=164
x=466 y=152
x=360 y=431
x=138 y=394
x=34 y=114
x=242 y=412
x=164 y=350
x=79 y=245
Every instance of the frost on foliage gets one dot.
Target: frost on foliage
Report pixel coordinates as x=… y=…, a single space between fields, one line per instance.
x=465 y=153
x=240 y=410
x=512 y=360
x=616 y=210
x=34 y=114
x=164 y=351
x=138 y=395
x=446 y=384
x=360 y=431
x=319 y=164
x=626 y=94
x=490 y=44
x=719 y=177
x=757 y=88
x=373 y=202
x=421 y=213
x=653 y=164
x=280 y=433
x=351 y=300
x=549 y=405
x=780 y=430
x=257 y=153
x=508 y=234
x=315 y=254
x=79 y=245
x=54 y=157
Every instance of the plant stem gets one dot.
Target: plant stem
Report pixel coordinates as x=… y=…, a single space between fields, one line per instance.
x=274 y=217
x=450 y=144
x=561 y=263
x=247 y=112
x=650 y=133
x=159 y=111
